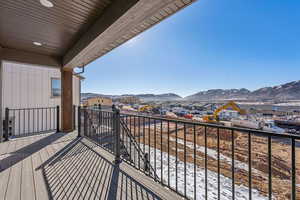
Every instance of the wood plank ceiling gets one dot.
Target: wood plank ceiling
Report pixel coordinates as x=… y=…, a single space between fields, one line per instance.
x=76 y=32
x=57 y=28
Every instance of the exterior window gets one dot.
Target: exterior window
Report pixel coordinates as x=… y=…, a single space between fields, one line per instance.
x=55 y=87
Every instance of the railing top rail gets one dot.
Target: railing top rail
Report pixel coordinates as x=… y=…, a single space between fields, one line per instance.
x=96 y=109
x=32 y=108
x=253 y=131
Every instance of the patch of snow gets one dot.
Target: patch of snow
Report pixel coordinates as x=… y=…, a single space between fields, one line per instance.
x=241 y=192
x=288 y=104
x=214 y=154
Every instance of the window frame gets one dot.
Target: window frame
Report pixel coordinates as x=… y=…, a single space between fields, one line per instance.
x=51 y=87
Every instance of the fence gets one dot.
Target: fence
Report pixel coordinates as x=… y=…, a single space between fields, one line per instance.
x=199 y=160
x=30 y=121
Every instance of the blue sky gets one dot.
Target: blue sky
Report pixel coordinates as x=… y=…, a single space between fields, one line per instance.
x=210 y=44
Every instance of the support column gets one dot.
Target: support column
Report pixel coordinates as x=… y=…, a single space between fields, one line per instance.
x=67 y=101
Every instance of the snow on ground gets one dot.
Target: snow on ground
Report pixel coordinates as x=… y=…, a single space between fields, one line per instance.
x=241 y=192
x=214 y=154
x=288 y=104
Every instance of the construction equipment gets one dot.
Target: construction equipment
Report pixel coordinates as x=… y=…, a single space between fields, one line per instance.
x=146 y=108
x=215 y=117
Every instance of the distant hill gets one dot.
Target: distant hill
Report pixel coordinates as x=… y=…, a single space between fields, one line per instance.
x=288 y=91
x=159 y=97
x=219 y=94
x=142 y=97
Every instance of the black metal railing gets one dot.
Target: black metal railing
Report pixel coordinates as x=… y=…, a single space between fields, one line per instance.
x=106 y=128
x=30 y=121
x=200 y=160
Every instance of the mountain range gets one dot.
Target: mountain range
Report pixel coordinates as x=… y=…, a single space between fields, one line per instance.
x=288 y=91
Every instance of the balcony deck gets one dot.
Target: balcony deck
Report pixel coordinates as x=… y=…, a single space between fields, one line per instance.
x=62 y=166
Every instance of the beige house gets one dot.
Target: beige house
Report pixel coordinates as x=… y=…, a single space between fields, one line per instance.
x=95 y=101
x=129 y=100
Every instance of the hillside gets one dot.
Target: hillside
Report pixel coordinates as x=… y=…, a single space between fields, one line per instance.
x=142 y=97
x=288 y=91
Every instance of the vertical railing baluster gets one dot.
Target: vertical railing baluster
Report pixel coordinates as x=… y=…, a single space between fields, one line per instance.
x=270 y=167
x=79 y=121
x=46 y=119
x=149 y=141
x=249 y=166
x=293 y=170
x=168 y=153
x=130 y=130
x=14 y=123
x=161 y=153
x=205 y=161
x=176 y=159
x=57 y=118
x=33 y=120
x=42 y=119
x=139 y=141
x=19 y=120
x=145 y=160
x=50 y=116
x=24 y=122
x=195 y=166
x=6 y=126
x=155 y=150
x=218 y=148
x=85 y=122
x=134 y=135
x=232 y=164
x=28 y=115
x=184 y=146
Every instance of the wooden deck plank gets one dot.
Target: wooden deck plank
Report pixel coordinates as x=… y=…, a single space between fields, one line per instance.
x=3 y=147
x=71 y=170
x=27 y=189
x=15 y=181
x=39 y=182
x=4 y=177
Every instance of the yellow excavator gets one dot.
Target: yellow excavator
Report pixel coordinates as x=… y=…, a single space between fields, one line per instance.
x=215 y=117
x=146 y=108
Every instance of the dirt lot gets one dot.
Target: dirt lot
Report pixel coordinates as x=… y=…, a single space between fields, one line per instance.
x=156 y=134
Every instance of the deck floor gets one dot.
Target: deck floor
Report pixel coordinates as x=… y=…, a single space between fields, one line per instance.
x=62 y=166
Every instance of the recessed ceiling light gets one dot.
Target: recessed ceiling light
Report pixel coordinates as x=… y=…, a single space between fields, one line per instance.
x=37 y=43
x=46 y=3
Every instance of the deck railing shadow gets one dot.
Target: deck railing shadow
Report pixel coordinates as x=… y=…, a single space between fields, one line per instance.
x=80 y=172
x=28 y=150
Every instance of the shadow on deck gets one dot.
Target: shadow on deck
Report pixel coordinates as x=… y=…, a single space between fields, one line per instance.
x=74 y=168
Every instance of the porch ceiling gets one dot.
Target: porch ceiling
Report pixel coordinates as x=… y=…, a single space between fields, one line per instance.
x=77 y=32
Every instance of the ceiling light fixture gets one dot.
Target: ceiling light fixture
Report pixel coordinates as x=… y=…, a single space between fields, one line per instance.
x=37 y=43
x=46 y=3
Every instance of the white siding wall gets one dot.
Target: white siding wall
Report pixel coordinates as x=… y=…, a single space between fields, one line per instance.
x=28 y=86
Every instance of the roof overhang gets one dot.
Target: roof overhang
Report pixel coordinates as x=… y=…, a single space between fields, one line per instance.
x=75 y=33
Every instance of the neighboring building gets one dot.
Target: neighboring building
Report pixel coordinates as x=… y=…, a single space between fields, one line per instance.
x=129 y=100
x=95 y=101
x=31 y=86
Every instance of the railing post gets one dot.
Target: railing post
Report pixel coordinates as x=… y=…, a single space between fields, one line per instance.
x=57 y=119
x=116 y=122
x=79 y=121
x=6 y=124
